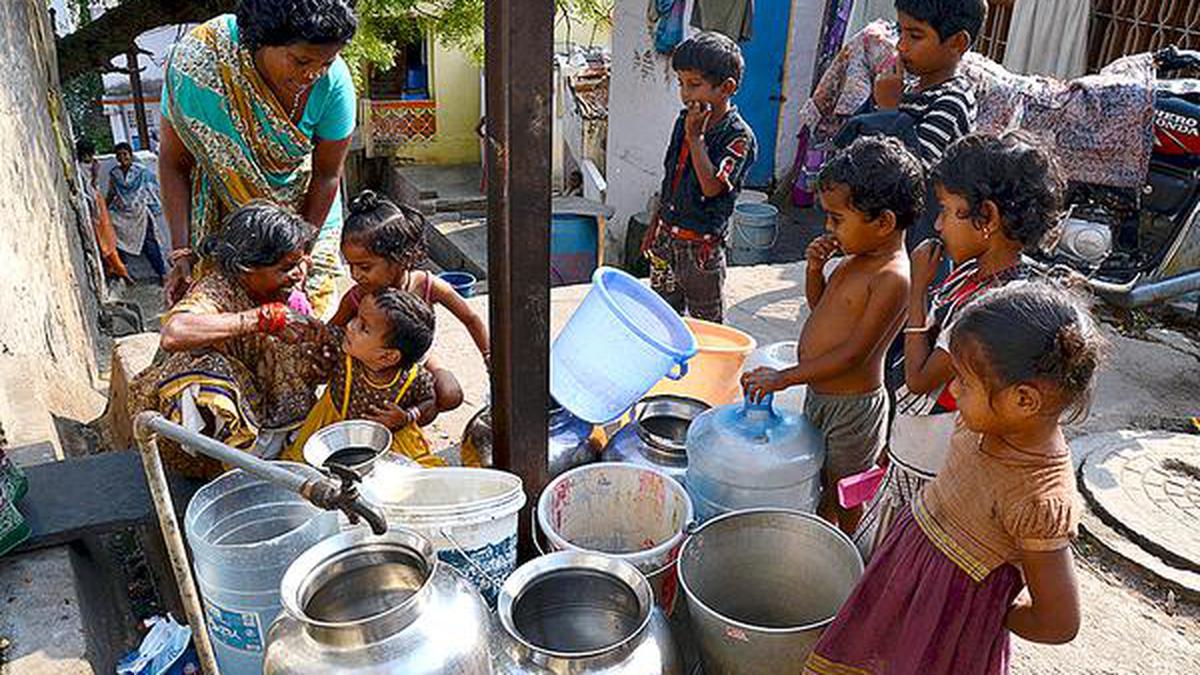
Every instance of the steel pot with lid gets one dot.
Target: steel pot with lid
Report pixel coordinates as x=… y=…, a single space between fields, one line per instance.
x=357 y=603
x=657 y=435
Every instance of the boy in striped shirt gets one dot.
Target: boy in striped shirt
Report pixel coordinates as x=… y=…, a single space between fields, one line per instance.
x=934 y=34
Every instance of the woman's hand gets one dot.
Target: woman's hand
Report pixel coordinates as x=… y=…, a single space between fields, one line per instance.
x=392 y=416
x=179 y=279
x=300 y=328
x=926 y=259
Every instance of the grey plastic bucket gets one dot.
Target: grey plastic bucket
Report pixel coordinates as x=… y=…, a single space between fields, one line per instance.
x=244 y=533
x=754 y=233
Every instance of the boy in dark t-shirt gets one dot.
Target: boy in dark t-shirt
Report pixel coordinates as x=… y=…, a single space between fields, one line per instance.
x=710 y=151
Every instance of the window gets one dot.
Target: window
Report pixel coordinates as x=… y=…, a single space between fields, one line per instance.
x=407 y=79
x=1123 y=27
x=994 y=38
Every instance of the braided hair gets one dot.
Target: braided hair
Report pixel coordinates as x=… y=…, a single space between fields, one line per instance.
x=387 y=229
x=410 y=323
x=257 y=235
x=1034 y=332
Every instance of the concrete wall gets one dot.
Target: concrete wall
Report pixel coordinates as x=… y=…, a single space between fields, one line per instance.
x=643 y=102
x=456 y=89
x=47 y=299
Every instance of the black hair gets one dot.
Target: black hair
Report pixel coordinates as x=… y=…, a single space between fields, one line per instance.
x=84 y=148
x=881 y=174
x=1014 y=172
x=257 y=235
x=715 y=56
x=948 y=17
x=410 y=323
x=276 y=23
x=122 y=146
x=1033 y=332
x=387 y=229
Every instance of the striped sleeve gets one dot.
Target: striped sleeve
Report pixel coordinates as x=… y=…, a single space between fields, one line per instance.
x=947 y=119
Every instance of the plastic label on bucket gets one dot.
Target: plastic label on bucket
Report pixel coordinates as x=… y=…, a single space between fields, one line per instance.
x=498 y=560
x=239 y=630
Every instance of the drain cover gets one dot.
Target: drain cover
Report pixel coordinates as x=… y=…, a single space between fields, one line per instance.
x=1149 y=484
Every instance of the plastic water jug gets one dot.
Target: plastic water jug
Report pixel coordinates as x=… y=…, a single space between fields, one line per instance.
x=748 y=455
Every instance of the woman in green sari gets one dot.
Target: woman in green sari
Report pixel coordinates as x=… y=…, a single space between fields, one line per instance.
x=258 y=105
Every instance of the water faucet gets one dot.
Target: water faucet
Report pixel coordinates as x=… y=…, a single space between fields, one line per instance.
x=340 y=491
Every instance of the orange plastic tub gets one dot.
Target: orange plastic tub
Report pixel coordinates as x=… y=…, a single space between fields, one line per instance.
x=714 y=372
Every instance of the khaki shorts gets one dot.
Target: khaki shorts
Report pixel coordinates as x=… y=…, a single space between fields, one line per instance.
x=854 y=427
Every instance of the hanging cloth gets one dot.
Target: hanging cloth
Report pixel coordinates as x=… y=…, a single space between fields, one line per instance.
x=1048 y=37
x=730 y=17
x=666 y=18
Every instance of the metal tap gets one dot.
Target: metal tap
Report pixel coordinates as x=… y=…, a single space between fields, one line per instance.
x=344 y=496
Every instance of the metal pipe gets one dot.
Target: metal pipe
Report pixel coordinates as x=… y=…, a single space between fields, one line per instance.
x=160 y=493
x=1140 y=294
x=329 y=493
x=223 y=453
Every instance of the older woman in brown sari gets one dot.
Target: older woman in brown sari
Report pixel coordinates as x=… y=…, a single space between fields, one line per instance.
x=235 y=364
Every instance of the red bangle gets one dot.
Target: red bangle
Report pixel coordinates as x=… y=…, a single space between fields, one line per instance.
x=272 y=318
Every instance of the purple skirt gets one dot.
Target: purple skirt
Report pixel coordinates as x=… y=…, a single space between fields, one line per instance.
x=915 y=611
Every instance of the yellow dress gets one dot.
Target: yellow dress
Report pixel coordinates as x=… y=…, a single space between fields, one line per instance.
x=356 y=398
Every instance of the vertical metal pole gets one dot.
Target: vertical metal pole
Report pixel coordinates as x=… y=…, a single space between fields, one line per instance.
x=519 y=43
x=139 y=100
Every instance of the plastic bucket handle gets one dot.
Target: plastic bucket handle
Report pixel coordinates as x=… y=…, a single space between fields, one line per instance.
x=682 y=367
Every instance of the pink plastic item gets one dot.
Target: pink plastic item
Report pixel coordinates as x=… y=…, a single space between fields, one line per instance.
x=859 y=488
x=298 y=302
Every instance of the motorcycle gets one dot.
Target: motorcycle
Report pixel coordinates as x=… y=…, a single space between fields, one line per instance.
x=1137 y=248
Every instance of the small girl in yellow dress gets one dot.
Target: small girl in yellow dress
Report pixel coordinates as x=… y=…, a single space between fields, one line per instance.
x=379 y=374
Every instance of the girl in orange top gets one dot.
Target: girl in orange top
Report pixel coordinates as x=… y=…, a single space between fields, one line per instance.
x=985 y=548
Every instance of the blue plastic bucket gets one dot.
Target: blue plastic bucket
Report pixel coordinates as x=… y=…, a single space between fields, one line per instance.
x=622 y=339
x=462 y=282
x=755 y=231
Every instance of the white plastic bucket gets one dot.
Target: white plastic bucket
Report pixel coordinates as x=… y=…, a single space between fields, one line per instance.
x=755 y=231
x=635 y=513
x=470 y=515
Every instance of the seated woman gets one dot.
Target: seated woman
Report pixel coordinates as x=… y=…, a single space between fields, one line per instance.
x=234 y=363
x=380 y=375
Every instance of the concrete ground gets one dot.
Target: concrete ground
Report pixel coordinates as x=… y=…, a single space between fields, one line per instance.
x=1129 y=626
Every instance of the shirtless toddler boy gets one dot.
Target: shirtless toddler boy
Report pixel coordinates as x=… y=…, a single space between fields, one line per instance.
x=870 y=192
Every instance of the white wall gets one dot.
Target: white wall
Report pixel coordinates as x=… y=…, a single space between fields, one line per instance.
x=804 y=32
x=643 y=102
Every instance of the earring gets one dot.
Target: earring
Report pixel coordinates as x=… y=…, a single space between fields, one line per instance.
x=987 y=234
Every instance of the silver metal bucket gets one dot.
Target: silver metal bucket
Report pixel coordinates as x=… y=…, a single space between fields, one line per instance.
x=761 y=585
x=571 y=612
